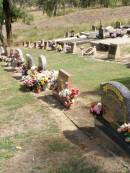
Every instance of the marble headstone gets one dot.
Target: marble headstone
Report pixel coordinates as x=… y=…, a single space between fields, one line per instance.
x=42 y=62
x=29 y=61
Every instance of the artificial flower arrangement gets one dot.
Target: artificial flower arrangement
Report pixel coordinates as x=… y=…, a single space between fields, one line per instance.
x=38 y=82
x=124 y=129
x=68 y=96
x=96 y=109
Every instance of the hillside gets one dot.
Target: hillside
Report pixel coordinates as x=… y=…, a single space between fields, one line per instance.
x=48 y=28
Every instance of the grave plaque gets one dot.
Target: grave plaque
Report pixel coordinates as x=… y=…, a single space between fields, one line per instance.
x=114 y=51
x=116 y=100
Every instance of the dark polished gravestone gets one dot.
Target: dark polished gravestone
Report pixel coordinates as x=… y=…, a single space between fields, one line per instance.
x=115 y=98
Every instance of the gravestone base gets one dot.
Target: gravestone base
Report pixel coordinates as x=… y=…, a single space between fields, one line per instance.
x=116 y=137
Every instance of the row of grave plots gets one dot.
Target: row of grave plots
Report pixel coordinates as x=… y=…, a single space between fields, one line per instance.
x=112 y=114
x=87 y=43
x=38 y=79
x=117 y=49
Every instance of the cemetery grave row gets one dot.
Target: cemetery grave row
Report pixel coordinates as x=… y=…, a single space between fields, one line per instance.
x=116 y=37
x=38 y=79
x=112 y=113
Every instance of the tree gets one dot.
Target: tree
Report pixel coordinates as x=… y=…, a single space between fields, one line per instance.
x=10 y=12
x=51 y=6
x=7 y=5
x=126 y=2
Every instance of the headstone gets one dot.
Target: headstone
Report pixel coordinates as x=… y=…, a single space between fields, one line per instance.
x=24 y=44
x=29 y=61
x=116 y=100
x=45 y=44
x=63 y=79
x=21 y=57
x=74 y=48
x=29 y=44
x=118 y=24
x=41 y=44
x=114 y=51
x=2 y=51
x=70 y=47
x=42 y=62
x=101 y=32
x=94 y=28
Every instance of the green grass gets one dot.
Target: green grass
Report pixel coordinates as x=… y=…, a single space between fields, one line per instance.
x=87 y=74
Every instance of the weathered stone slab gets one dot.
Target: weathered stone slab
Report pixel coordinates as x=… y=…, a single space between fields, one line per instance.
x=114 y=51
x=63 y=79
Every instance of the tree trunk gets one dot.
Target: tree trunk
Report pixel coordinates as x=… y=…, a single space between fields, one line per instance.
x=3 y=41
x=8 y=18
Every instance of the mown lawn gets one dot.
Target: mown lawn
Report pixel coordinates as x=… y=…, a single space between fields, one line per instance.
x=31 y=141
x=87 y=73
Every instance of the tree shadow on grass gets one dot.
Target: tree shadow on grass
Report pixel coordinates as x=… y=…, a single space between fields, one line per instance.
x=52 y=101
x=96 y=92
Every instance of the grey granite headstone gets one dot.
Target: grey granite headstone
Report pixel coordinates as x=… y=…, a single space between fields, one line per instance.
x=42 y=62
x=116 y=100
x=29 y=61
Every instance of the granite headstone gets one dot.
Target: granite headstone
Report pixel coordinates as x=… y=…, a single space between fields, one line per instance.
x=116 y=100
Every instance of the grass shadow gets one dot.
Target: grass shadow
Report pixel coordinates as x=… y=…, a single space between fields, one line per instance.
x=52 y=101
x=23 y=89
x=96 y=141
x=96 y=92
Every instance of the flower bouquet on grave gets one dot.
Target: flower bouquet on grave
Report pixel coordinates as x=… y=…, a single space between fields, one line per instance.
x=37 y=87
x=43 y=83
x=52 y=80
x=68 y=96
x=96 y=109
x=29 y=83
x=124 y=129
